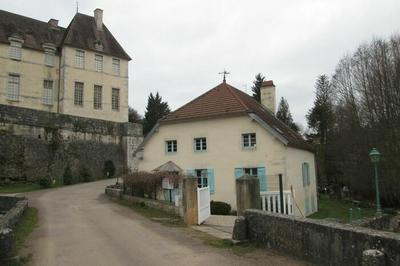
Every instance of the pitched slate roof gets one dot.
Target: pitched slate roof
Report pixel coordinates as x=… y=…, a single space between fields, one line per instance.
x=33 y=32
x=225 y=100
x=81 y=33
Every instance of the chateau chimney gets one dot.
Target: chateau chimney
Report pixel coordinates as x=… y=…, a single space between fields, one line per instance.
x=53 y=22
x=267 y=92
x=98 y=18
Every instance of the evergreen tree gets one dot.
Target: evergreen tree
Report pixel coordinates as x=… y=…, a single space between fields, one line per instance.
x=320 y=122
x=285 y=116
x=257 y=83
x=134 y=116
x=155 y=110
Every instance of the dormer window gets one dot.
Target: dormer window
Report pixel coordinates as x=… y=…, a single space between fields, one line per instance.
x=49 y=54
x=98 y=45
x=15 y=48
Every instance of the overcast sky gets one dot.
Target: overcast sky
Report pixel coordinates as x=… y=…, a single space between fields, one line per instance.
x=178 y=47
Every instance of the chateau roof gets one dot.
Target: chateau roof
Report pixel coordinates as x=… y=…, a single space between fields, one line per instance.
x=81 y=33
x=225 y=100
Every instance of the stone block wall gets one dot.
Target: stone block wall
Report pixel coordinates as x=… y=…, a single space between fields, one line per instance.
x=36 y=144
x=323 y=242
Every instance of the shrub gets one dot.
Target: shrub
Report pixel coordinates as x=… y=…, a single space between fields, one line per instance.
x=220 y=208
x=84 y=174
x=45 y=182
x=67 y=176
x=109 y=169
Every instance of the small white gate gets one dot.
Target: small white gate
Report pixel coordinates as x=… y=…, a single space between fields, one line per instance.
x=203 y=204
x=270 y=201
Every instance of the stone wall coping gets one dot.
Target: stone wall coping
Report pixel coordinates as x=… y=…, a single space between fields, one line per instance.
x=324 y=223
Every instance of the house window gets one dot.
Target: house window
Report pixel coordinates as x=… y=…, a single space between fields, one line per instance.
x=49 y=59
x=115 y=99
x=116 y=66
x=97 y=97
x=202 y=180
x=80 y=59
x=250 y=171
x=78 y=94
x=98 y=63
x=306 y=174
x=13 y=87
x=171 y=146
x=249 y=140
x=15 y=50
x=200 y=144
x=48 y=92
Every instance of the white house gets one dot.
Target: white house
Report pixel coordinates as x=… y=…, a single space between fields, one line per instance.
x=223 y=134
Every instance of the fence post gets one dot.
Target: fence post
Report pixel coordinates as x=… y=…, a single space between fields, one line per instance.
x=247 y=194
x=189 y=200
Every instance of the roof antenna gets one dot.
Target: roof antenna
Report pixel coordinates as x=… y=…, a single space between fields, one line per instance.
x=225 y=73
x=77 y=6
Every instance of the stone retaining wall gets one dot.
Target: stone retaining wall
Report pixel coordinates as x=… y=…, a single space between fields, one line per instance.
x=323 y=242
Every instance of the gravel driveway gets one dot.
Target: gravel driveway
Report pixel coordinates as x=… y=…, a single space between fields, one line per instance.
x=78 y=225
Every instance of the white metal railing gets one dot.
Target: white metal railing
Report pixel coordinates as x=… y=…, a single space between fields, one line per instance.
x=270 y=201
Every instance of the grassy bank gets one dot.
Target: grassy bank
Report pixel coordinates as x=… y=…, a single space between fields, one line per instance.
x=19 y=188
x=340 y=210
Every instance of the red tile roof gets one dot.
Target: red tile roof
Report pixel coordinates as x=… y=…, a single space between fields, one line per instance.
x=225 y=100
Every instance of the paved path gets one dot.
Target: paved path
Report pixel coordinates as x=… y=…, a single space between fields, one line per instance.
x=78 y=225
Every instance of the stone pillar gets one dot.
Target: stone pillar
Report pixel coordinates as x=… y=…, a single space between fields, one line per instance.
x=7 y=244
x=240 y=229
x=247 y=194
x=189 y=200
x=373 y=257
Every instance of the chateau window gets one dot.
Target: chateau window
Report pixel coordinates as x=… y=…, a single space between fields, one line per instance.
x=249 y=140
x=98 y=63
x=15 y=50
x=80 y=59
x=49 y=59
x=250 y=171
x=116 y=66
x=97 y=97
x=13 y=87
x=78 y=94
x=202 y=180
x=48 y=92
x=200 y=144
x=115 y=99
x=171 y=146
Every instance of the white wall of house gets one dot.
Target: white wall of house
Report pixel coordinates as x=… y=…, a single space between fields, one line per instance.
x=225 y=153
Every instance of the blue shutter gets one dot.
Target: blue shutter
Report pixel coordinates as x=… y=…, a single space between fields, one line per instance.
x=262 y=178
x=211 y=180
x=308 y=173
x=238 y=172
x=303 y=169
x=191 y=172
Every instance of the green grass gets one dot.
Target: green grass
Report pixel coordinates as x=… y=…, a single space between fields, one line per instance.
x=19 y=188
x=26 y=225
x=337 y=209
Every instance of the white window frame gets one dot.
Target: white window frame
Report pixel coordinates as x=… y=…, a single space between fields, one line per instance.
x=249 y=140
x=15 y=50
x=80 y=58
x=98 y=63
x=97 y=96
x=200 y=144
x=79 y=93
x=115 y=99
x=13 y=87
x=116 y=66
x=171 y=146
x=48 y=87
x=202 y=178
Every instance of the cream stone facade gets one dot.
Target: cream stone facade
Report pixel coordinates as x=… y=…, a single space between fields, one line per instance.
x=48 y=57
x=225 y=153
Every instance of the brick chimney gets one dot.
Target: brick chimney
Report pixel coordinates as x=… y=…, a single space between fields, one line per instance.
x=268 y=98
x=53 y=22
x=98 y=18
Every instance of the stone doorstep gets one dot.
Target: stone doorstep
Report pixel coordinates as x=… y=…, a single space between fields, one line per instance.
x=213 y=231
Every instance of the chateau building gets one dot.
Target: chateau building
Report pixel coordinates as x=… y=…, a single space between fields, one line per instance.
x=80 y=70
